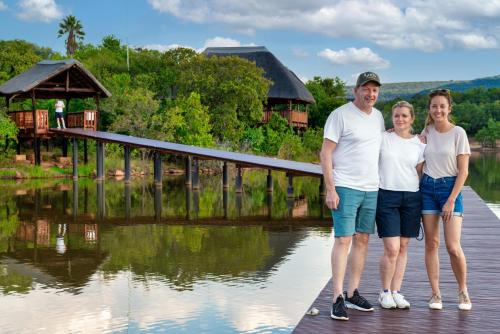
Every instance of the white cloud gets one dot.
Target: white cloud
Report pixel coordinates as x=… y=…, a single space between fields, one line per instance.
x=39 y=10
x=404 y=24
x=222 y=42
x=163 y=47
x=3 y=6
x=473 y=41
x=363 y=58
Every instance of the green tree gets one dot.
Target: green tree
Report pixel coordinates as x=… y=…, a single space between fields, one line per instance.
x=16 y=56
x=195 y=130
x=73 y=27
x=329 y=94
x=291 y=147
x=489 y=135
x=234 y=89
x=274 y=132
x=8 y=129
x=134 y=115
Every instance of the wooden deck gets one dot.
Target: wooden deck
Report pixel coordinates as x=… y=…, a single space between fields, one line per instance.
x=244 y=160
x=481 y=244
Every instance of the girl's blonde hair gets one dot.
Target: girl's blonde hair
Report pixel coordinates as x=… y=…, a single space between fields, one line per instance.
x=404 y=104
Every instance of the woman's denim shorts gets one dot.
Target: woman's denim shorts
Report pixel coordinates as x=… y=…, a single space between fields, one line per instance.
x=435 y=193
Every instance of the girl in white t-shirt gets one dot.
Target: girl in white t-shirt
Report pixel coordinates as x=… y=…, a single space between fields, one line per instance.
x=445 y=171
x=399 y=201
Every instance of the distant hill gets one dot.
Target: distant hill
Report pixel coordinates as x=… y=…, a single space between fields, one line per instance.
x=405 y=90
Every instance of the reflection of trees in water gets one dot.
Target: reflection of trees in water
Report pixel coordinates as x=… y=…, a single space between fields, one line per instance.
x=183 y=255
x=484 y=176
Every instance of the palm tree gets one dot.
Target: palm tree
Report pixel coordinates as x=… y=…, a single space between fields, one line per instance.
x=73 y=27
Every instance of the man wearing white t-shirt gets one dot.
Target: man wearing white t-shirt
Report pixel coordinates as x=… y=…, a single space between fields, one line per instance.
x=349 y=160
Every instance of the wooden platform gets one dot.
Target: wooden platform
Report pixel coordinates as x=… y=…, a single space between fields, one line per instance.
x=481 y=244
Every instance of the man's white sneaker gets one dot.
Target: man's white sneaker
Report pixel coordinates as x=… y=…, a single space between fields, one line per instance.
x=400 y=300
x=386 y=301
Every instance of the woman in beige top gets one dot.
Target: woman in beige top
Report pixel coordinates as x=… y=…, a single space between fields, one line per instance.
x=445 y=171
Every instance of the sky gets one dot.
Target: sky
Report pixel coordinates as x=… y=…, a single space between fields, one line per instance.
x=408 y=40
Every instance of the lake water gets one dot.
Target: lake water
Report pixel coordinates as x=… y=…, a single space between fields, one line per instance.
x=83 y=257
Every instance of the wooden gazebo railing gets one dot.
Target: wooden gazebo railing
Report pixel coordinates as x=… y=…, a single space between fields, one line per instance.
x=295 y=118
x=24 y=120
x=86 y=119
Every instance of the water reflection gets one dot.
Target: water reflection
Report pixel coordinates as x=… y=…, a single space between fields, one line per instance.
x=146 y=241
x=484 y=175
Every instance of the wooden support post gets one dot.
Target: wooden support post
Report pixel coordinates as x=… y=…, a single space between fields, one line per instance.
x=97 y=107
x=128 y=201
x=85 y=200
x=269 y=205
x=157 y=168
x=322 y=192
x=38 y=157
x=238 y=187
x=36 y=140
x=196 y=174
x=225 y=200
x=225 y=176
x=290 y=203
x=321 y=208
x=85 y=152
x=126 y=157
x=188 y=203
x=158 y=202
x=270 y=185
x=100 y=200
x=64 y=201
x=238 y=202
x=18 y=146
x=289 y=189
x=196 y=203
x=99 y=160
x=65 y=147
x=187 y=170
x=75 y=159
x=75 y=200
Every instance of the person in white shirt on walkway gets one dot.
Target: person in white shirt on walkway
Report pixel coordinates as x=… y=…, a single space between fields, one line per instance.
x=349 y=160
x=445 y=171
x=399 y=201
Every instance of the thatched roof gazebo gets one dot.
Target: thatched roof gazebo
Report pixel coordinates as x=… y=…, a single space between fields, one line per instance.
x=287 y=89
x=52 y=79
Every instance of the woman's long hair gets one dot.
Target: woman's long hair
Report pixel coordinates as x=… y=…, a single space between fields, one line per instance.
x=438 y=92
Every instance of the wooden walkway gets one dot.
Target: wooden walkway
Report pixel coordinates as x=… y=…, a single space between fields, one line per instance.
x=481 y=244
x=244 y=160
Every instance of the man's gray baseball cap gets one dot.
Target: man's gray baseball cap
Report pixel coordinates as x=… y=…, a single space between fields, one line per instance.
x=366 y=77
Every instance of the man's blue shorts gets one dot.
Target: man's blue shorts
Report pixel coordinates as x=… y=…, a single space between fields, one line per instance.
x=59 y=115
x=398 y=213
x=435 y=193
x=355 y=212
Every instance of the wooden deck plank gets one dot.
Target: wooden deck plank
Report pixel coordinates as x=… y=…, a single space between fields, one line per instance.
x=481 y=244
x=299 y=168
